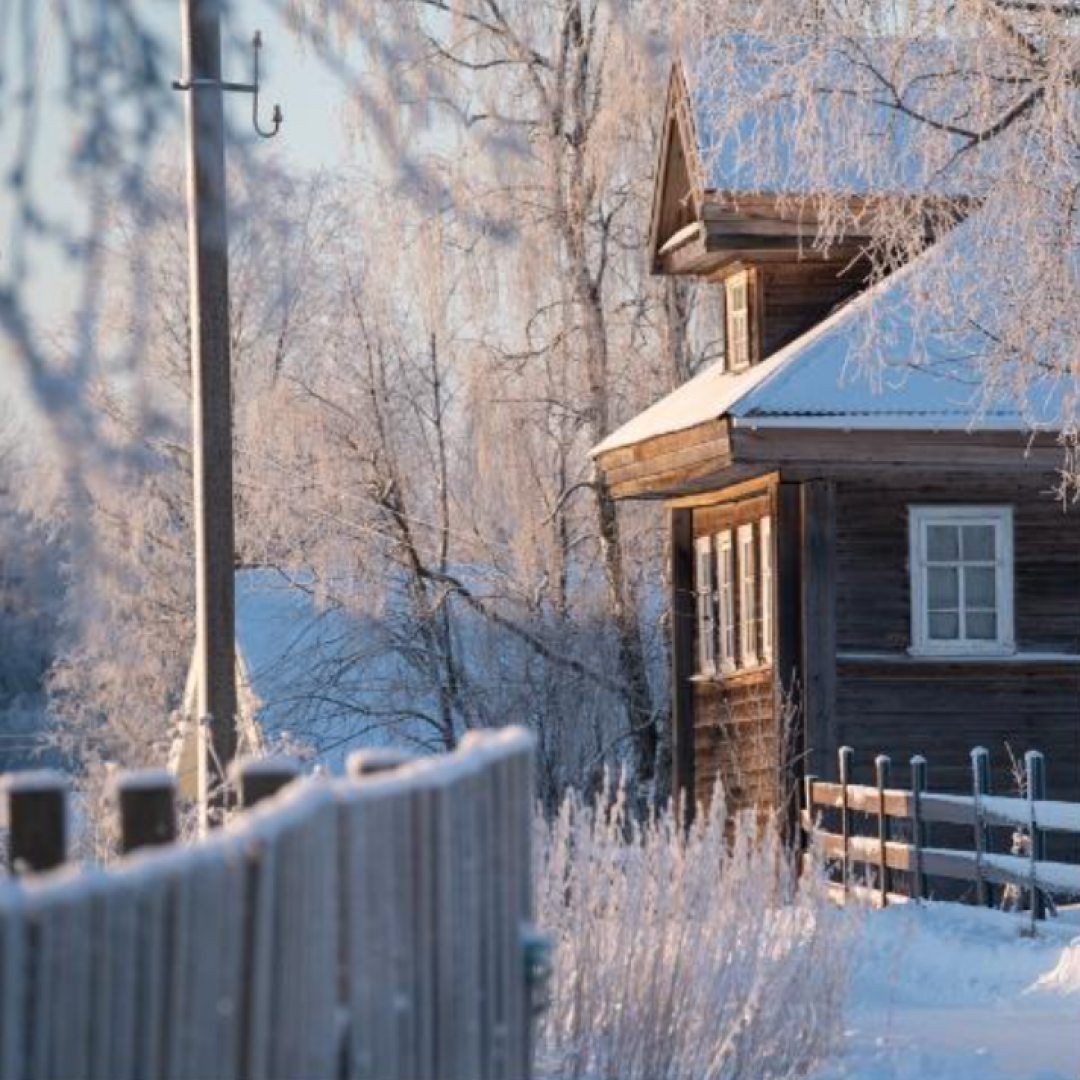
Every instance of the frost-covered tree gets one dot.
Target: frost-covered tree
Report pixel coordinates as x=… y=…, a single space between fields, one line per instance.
x=378 y=490
x=550 y=110
x=30 y=599
x=933 y=114
x=130 y=586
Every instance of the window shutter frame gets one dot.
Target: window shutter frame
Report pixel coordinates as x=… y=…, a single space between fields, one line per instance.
x=749 y=615
x=767 y=574
x=704 y=606
x=727 y=653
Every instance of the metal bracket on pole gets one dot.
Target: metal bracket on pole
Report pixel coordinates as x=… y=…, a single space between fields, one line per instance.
x=251 y=88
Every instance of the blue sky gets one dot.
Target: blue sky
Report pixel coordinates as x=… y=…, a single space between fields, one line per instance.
x=312 y=97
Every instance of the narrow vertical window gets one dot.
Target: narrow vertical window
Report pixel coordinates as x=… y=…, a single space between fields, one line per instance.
x=766 y=547
x=738 y=321
x=725 y=563
x=748 y=597
x=706 y=606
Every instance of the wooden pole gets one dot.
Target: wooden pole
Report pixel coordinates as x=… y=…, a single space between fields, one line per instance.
x=881 y=774
x=808 y=801
x=37 y=821
x=262 y=778
x=918 y=827
x=147 y=802
x=846 y=755
x=211 y=399
x=1035 y=765
x=980 y=787
x=681 y=607
x=809 y=820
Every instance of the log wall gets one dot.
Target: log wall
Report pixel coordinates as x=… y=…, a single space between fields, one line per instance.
x=889 y=702
x=735 y=730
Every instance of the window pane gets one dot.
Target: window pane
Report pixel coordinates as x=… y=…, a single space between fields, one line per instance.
x=979 y=587
x=979 y=542
x=981 y=625
x=944 y=626
x=943 y=589
x=942 y=542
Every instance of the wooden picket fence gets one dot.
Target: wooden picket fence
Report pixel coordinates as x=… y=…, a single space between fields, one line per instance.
x=375 y=926
x=869 y=864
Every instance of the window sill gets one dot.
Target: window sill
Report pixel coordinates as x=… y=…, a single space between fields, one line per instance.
x=963 y=652
x=909 y=657
x=734 y=675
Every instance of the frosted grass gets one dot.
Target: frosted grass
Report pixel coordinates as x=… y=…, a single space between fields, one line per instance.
x=684 y=955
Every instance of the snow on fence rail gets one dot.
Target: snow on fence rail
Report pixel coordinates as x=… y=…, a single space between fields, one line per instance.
x=883 y=854
x=375 y=926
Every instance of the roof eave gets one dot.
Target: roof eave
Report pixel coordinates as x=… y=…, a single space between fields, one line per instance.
x=675 y=463
x=837 y=447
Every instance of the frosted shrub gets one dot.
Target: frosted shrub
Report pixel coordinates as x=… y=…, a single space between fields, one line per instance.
x=683 y=956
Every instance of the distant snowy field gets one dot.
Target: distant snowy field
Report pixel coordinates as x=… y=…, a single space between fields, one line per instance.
x=948 y=992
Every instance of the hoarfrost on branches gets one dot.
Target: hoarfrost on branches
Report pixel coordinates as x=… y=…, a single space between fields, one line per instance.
x=696 y=953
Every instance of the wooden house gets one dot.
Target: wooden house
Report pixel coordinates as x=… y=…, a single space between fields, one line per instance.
x=879 y=563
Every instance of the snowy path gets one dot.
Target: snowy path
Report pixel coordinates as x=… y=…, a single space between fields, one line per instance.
x=953 y=993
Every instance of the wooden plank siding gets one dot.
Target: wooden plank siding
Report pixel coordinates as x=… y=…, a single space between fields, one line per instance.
x=888 y=702
x=842 y=624
x=795 y=296
x=819 y=622
x=735 y=741
x=667 y=463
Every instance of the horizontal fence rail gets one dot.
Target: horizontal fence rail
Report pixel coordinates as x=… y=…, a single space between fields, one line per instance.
x=373 y=927
x=882 y=853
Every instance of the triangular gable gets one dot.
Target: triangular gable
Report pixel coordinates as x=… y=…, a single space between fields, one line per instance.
x=677 y=187
x=732 y=187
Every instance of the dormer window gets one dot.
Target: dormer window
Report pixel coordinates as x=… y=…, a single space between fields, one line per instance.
x=741 y=339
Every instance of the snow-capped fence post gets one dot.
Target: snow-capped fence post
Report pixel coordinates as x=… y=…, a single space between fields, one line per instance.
x=846 y=755
x=37 y=821
x=881 y=774
x=809 y=819
x=918 y=826
x=975 y=863
x=147 y=803
x=376 y=760
x=980 y=787
x=378 y=928
x=256 y=779
x=1035 y=767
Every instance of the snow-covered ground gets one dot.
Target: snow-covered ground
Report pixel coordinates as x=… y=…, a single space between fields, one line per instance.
x=949 y=992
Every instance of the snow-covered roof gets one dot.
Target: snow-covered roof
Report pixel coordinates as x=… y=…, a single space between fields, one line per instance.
x=853 y=105
x=878 y=362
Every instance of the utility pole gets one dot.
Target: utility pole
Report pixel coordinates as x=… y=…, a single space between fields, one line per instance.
x=215 y=664
x=211 y=397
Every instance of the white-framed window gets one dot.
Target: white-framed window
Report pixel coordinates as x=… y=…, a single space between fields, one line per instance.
x=725 y=566
x=748 y=597
x=705 y=601
x=961 y=563
x=739 y=324
x=765 y=546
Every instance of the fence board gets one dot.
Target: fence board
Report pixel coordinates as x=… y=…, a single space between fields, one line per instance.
x=366 y=928
x=979 y=812
x=998 y=810
x=13 y=959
